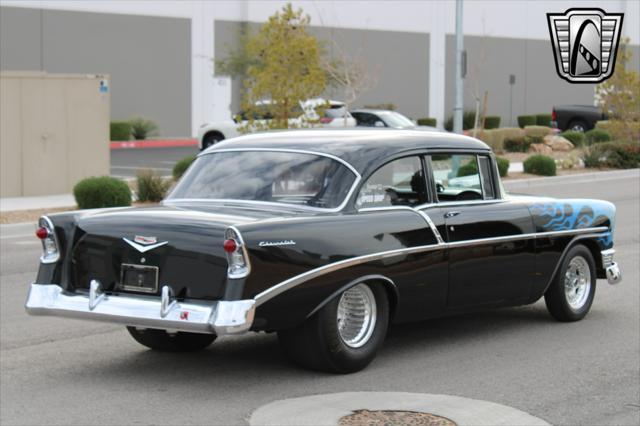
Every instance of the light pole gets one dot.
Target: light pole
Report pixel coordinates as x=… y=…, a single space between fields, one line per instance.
x=459 y=100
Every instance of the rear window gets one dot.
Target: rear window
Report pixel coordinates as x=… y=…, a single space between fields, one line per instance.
x=269 y=176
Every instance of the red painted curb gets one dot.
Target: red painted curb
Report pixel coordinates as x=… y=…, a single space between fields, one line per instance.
x=154 y=143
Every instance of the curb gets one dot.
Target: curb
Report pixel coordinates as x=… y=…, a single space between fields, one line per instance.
x=576 y=178
x=154 y=143
x=327 y=409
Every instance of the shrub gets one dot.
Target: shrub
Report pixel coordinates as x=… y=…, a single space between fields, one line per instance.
x=102 y=191
x=619 y=155
x=468 y=121
x=621 y=130
x=540 y=165
x=492 y=122
x=597 y=135
x=576 y=138
x=538 y=131
x=543 y=119
x=120 y=131
x=141 y=128
x=181 y=166
x=526 y=120
x=503 y=166
x=427 y=122
x=151 y=187
x=517 y=145
x=471 y=168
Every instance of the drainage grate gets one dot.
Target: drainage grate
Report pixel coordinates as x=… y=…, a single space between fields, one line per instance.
x=392 y=418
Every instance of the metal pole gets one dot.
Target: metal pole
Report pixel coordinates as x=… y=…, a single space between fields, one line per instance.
x=458 y=106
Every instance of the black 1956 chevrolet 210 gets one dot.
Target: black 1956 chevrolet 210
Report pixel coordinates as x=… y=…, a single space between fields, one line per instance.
x=324 y=237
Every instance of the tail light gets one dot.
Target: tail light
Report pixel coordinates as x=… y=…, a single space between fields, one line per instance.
x=326 y=120
x=47 y=235
x=236 y=251
x=554 y=116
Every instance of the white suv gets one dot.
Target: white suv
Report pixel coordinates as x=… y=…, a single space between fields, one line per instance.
x=335 y=115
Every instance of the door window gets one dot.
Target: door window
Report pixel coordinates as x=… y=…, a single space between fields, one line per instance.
x=398 y=183
x=456 y=177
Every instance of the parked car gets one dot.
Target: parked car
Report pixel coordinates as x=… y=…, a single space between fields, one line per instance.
x=334 y=114
x=387 y=118
x=576 y=117
x=324 y=237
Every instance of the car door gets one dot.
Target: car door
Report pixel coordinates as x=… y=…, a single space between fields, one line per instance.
x=490 y=249
x=390 y=194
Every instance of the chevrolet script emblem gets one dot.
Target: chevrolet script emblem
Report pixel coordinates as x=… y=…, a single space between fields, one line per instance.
x=144 y=244
x=585 y=43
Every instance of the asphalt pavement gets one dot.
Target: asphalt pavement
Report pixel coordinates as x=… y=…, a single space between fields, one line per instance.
x=126 y=163
x=58 y=371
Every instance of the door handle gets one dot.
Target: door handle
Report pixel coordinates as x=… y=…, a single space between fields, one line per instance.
x=447 y=215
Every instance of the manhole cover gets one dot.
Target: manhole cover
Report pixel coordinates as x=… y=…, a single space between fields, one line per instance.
x=391 y=418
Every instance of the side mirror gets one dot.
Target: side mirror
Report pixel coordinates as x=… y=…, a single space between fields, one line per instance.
x=378 y=124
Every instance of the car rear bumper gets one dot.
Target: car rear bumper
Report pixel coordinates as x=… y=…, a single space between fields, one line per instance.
x=215 y=317
x=613 y=272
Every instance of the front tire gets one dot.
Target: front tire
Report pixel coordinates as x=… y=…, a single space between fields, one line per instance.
x=160 y=340
x=345 y=335
x=578 y=126
x=570 y=295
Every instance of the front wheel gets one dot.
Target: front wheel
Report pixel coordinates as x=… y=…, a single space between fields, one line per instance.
x=345 y=335
x=180 y=341
x=570 y=295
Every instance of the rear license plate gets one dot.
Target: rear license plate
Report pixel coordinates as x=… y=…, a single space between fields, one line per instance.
x=139 y=278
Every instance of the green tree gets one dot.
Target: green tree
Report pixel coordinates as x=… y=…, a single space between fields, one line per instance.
x=620 y=97
x=284 y=68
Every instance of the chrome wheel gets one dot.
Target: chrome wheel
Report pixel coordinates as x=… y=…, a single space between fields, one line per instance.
x=577 y=282
x=357 y=315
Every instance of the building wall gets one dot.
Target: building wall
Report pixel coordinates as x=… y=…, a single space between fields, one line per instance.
x=399 y=61
x=149 y=58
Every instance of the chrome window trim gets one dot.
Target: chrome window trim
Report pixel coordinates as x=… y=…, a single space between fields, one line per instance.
x=288 y=284
x=52 y=230
x=341 y=207
x=461 y=203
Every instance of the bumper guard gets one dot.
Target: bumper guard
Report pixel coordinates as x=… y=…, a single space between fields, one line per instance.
x=613 y=272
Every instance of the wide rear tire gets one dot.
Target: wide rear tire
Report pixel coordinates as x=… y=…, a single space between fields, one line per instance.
x=339 y=338
x=570 y=295
x=160 y=340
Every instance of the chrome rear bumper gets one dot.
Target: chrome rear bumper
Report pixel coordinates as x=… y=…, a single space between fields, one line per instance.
x=613 y=272
x=216 y=317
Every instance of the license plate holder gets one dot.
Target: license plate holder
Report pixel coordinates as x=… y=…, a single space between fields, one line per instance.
x=142 y=278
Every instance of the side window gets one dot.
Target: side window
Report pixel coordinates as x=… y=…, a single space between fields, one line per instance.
x=456 y=177
x=398 y=183
x=486 y=175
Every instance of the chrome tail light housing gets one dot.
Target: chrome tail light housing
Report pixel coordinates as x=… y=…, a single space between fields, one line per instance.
x=236 y=251
x=50 y=244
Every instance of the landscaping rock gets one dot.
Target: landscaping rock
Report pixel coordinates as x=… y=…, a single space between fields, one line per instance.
x=558 y=143
x=540 y=148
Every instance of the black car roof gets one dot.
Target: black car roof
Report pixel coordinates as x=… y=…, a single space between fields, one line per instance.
x=359 y=147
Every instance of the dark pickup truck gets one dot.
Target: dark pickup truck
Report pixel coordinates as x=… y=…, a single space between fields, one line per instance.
x=576 y=117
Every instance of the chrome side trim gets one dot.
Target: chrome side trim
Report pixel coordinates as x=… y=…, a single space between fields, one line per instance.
x=460 y=203
x=217 y=317
x=424 y=215
x=285 y=285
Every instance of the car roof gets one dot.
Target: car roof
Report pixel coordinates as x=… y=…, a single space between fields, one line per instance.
x=362 y=148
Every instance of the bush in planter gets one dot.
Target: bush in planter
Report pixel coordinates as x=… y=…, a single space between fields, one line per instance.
x=518 y=144
x=576 y=138
x=102 y=191
x=543 y=119
x=540 y=165
x=181 y=166
x=619 y=155
x=120 y=131
x=468 y=121
x=492 y=122
x=432 y=122
x=538 y=131
x=142 y=128
x=503 y=166
x=526 y=120
x=596 y=136
x=151 y=187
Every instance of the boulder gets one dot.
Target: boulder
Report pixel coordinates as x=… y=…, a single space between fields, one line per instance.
x=558 y=143
x=540 y=148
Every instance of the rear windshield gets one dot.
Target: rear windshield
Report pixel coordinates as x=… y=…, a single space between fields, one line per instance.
x=268 y=176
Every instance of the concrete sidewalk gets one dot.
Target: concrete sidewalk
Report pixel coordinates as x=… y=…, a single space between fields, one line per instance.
x=32 y=203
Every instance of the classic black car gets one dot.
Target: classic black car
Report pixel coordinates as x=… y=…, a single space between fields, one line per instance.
x=324 y=237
